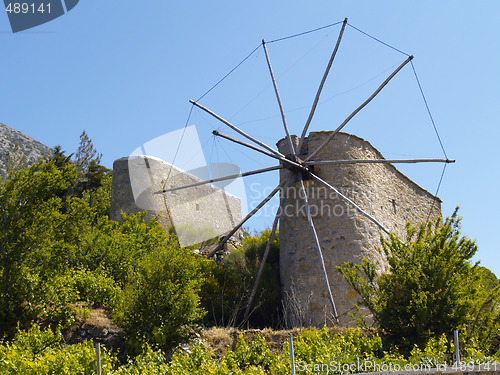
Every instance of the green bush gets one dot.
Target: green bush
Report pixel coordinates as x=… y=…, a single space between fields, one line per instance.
x=162 y=296
x=37 y=351
x=42 y=225
x=40 y=352
x=31 y=222
x=430 y=289
x=52 y=299
x=148 y=362
x=96 y=288
x=254 y=358
x=117 y=248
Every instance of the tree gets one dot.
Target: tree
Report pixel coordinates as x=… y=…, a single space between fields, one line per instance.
x=60 y=159
x=86 y=153
x=162 y=295
x=93 y=182
x=431 y=287
x=30 y=221
x=42 y=228
x=118 y=248
x=91 y=175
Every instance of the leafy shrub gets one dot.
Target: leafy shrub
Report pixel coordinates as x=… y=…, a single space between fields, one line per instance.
x=30 y=222
x=224 y=292
x=117 y=248
x=52 y=299
x=39 y=352
x=162 y=295
x=148 y=362
x=252 y=358
x=96 y=287
x=42 y=224
x=55 y=297
x=431 y=288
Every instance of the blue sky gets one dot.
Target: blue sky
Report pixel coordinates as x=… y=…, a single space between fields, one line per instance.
x=124 y=72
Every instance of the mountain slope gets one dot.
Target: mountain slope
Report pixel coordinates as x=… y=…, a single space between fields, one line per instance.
x=28 y=147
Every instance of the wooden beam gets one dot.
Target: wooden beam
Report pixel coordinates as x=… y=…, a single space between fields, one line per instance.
x=377 y=161
x=238 y=226
x=283 y=159
x=318 y=93
x=220 y=179
x=359 y=108
x=262 y=144
x=282 y=111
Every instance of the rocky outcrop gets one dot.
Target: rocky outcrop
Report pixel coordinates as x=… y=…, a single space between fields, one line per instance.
x=28 y=148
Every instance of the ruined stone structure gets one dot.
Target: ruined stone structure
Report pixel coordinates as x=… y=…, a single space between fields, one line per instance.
x=345 y=235
x=198 y=213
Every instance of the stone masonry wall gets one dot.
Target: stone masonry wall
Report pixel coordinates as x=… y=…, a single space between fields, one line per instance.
x=345 y=235
x=198 y=213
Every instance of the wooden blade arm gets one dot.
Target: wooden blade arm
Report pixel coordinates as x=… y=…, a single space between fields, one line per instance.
x=318 y=247
x=358 y=109
x=318 y=93
x=238 y=226
x=262 y=144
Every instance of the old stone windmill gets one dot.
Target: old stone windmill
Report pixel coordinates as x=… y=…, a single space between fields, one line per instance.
x=337 y=193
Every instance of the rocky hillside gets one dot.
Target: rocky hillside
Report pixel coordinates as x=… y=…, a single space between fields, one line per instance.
x=28 y=149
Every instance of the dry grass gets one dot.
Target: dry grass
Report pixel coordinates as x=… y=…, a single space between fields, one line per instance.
x=99 y=318
x=93 y=324
x=219 y=340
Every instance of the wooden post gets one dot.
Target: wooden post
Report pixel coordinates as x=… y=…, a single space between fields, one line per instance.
x=457 y=348
x=359 y=108
x=316 y=99
x=262 y=144
x=98 y=357
x=292 y=354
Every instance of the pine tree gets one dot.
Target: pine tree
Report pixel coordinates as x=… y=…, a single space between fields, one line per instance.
x=90 y=173
x=86 y=154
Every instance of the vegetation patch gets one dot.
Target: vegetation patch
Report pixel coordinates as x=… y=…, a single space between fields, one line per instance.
x=70 y=276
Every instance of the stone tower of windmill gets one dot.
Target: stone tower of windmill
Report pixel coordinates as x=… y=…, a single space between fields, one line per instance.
x=345 y=235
